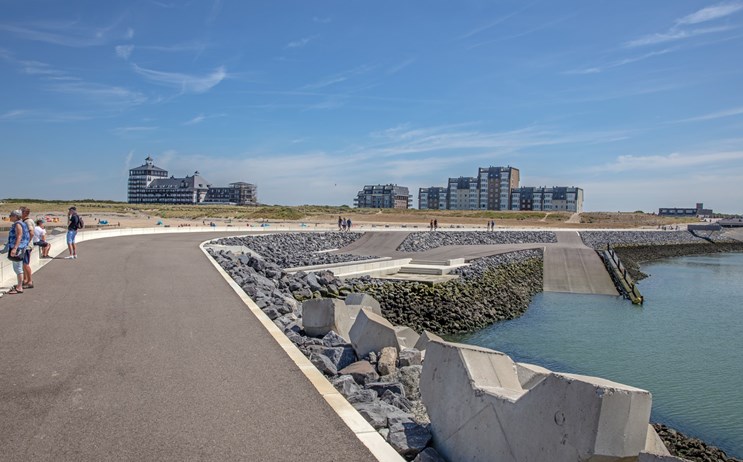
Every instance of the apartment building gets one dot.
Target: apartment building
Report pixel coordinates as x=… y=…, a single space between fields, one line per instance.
x=463 y=193
x=238 y=193
x=383 y=196
x=149 y=184
x=432 y=198
x=556 y=198
x=494 y=187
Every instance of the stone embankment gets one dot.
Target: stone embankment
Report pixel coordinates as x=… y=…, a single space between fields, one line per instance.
x=491 y=289
x=599 y=239
x=637 y=247
x=382 y=385
x=689 y=448
x=289 y=250
x=422 y=241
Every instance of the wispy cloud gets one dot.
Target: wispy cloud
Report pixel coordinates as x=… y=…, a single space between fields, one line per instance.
x=301 y=43
x=400 y=66
x=714 y=115
x=320 y=20
x=340 y=77
x=680 y=30
x=524 y=33
x=201 y=118
x=123 y=131
x=495 y=22
x=614 y=64
x=214 y=12
x=14 y=114
x=124 y=51
x=675 y=35
x=185 y=82
x=101 y=94
x=69 y=34
x=666 y=162
x=710 y=13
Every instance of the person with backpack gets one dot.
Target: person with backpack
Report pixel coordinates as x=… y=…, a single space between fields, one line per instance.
x=74 y=222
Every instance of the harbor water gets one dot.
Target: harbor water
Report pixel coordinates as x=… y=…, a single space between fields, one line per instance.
x=685 y=345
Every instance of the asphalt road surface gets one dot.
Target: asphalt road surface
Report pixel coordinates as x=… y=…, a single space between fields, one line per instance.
x=139 y=350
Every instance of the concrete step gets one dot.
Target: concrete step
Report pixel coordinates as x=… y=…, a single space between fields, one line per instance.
x=423 y=270
x=452 y=262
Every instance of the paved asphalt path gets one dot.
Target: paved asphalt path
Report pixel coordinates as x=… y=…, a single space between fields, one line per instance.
x=139 y=350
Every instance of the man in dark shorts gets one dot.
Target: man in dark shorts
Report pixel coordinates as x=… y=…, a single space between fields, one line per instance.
x=73 y=224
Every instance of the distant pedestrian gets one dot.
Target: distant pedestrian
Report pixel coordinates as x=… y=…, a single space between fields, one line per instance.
x=19 y=239
x=430 y=226
x=436 y=224
x=340 y=223
x=73 y=224
x=39 y=239
x=28 y=282
x=348 y=225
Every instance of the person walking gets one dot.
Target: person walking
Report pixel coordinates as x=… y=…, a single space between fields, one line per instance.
x=28 y=282
x=40 y=239
x=348 y=225
x=340 y=223
x=435 y=224
x=73 y=224
x=18 y=240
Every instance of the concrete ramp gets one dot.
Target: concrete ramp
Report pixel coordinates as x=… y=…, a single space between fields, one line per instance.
x=576 y=270
x=378 y=243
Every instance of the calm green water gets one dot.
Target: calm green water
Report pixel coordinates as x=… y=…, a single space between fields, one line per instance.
x=685 y=345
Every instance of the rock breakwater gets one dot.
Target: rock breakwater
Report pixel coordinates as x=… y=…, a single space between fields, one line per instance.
x=491 y=289
x=599 y=239
x=290 y=250
x=633 y=256
x=422 y=241
x=689 y=448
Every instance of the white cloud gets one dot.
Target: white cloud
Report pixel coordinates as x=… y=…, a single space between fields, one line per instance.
x=69 y=34
x=674 y=35
x=15 y=114
x=340 y=77
x=196 y=120
x=186 y=83
x=618 y=63
x=301 y=43
x=710 y=13
x=124 y=51
x=105 y=95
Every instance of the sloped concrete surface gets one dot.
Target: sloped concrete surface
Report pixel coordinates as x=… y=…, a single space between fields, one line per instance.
x=483 y=406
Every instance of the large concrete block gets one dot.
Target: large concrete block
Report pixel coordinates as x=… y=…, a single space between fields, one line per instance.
x=426 y=337
x=484 y=406
x=372 y=332
x=359 y=299
x=322 y=315
x=406 y=336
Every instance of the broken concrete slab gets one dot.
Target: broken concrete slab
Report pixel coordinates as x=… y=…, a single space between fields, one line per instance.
x=426 y=337
x=371 y=332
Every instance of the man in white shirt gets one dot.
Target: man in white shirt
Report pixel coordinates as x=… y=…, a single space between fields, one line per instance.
x=40 y=239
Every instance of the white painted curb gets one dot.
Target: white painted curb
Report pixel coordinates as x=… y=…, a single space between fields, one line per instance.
x=363 y=430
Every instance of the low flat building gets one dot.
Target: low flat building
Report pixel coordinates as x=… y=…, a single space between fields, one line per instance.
x=698 y=211
x=383 y=196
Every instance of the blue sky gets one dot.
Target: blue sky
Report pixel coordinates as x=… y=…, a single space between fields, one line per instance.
x=638 y=102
